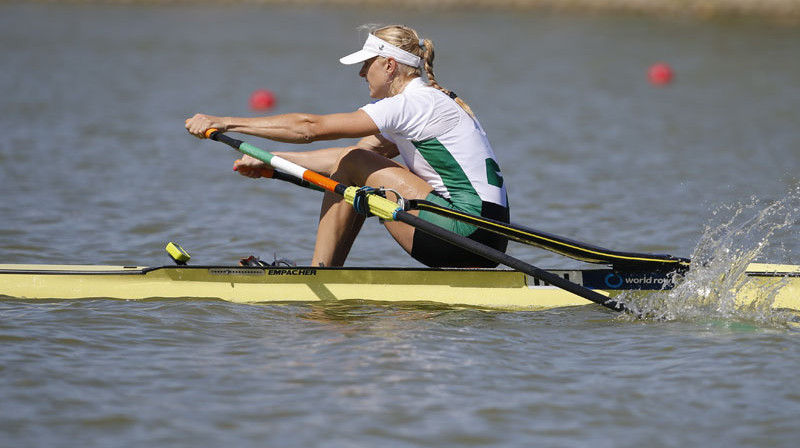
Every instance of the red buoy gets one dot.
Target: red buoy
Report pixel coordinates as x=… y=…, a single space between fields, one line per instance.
x=262 y=100
x=660 y=74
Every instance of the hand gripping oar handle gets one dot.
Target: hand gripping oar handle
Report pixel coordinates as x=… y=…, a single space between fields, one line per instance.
x=271 y=173
x=378 y=206
x=267 y=173
x=390 y=211
x=276 y=162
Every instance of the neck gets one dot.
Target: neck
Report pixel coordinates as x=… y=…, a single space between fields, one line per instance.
x=399 y=83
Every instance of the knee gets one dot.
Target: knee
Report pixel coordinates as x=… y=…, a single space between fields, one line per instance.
x=353 y=154
x=352 y=164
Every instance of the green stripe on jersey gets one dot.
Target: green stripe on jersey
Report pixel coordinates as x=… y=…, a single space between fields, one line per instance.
x=462 y=193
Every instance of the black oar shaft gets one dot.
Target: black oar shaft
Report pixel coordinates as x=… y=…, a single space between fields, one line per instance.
x=507 y=260
x=558 y=244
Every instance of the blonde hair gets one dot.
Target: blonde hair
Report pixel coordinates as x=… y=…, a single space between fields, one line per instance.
x=407 y=39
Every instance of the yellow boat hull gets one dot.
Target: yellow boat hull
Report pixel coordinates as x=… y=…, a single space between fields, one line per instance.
x=486 y=288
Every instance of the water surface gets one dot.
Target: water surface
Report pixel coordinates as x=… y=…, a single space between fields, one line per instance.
x=96 y=168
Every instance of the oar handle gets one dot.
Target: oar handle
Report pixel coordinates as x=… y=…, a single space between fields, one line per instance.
x=271 y=173
x=215 y=134
x=268 y=173
x=288 y=171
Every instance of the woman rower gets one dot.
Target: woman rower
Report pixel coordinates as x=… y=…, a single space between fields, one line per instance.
x=448 y=159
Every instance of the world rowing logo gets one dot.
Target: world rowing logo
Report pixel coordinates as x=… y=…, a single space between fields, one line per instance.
x=640 y=280
x=617 y=280
x=613 y=280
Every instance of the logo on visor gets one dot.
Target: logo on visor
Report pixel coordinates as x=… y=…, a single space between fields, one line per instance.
x=381 y=47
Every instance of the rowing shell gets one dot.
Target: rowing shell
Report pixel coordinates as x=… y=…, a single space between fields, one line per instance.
x=485 y=288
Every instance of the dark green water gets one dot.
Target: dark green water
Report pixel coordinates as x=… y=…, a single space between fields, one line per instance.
x=95 y=168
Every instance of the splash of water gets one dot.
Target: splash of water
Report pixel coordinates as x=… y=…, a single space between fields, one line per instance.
x=736 y=236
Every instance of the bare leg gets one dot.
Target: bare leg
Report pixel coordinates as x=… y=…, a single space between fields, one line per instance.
x=339 y=224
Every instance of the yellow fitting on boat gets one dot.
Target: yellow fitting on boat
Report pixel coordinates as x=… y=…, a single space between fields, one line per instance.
x=379 y=206
x=176 y=252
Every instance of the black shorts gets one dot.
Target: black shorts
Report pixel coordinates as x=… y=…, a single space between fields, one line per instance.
x=433 y=252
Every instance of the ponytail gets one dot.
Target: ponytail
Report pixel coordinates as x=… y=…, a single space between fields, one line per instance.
x=427 y=57
x=406 y=38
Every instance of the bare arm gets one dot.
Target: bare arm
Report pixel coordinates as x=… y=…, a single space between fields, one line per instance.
x=289 y=128
x=380 y=145
x=321 y=160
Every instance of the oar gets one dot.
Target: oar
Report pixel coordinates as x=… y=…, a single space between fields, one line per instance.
x=390 y=211
x=577 y=250
x=271 y=173
x=574 y=249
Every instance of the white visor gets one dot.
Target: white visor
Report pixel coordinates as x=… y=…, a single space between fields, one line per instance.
x=375 y=46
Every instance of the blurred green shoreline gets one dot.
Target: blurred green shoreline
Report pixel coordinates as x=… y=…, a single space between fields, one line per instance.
x=788 y=10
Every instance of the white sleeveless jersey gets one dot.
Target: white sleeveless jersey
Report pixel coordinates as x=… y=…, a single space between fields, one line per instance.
x=442 y=144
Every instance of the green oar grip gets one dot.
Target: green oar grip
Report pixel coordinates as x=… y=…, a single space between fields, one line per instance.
x=243 y=147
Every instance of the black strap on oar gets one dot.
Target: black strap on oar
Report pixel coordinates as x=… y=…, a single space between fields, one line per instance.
x=571 y=248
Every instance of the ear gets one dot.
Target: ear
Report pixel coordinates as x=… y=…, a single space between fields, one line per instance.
x=391 y=65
